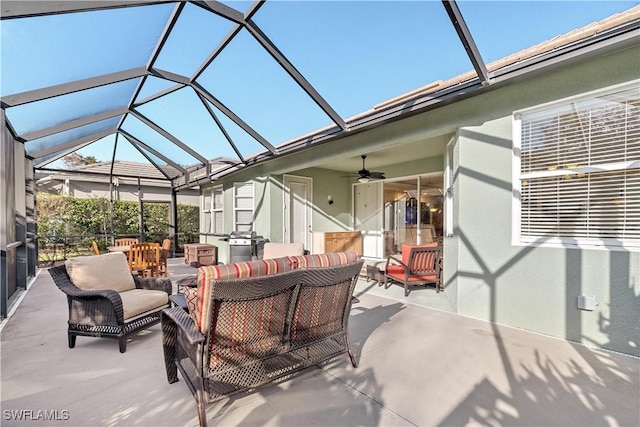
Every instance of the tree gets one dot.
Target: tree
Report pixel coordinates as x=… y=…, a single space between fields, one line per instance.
x=75 y=160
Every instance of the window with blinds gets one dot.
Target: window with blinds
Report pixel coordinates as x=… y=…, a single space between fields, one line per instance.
x=243 y=207
x=212 y=210
x=577 y=176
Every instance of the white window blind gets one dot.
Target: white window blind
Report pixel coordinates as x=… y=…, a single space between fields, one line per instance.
x=243 y=207
x=579 y=170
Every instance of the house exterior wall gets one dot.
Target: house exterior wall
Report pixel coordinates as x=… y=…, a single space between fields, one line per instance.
x=486 y=276
x=326 y=217
x=269 y=205
x=269 y=198
x=536 y=288
x=339 y=215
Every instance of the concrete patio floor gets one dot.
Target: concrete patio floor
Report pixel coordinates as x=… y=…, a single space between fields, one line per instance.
x=418 y=367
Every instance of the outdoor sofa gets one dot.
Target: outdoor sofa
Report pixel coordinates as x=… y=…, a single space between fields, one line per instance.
x=106 y=300
x=255 y=322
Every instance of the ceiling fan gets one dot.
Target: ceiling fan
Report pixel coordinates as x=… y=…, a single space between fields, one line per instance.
x=365 y=175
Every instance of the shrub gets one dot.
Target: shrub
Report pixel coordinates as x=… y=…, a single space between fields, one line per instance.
x=91 y=217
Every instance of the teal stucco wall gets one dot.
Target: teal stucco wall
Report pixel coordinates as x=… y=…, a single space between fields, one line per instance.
x=535 y=288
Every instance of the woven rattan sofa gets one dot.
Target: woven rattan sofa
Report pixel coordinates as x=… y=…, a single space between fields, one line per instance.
x=283 y=315
x=106 y=300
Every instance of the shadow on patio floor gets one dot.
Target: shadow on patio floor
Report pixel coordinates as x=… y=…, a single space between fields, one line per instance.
x=418 y=366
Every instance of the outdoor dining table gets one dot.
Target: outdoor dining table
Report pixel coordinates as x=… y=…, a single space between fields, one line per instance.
x=121 y=248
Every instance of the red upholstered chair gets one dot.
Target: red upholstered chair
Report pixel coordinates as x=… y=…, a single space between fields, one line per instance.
x=420 y=265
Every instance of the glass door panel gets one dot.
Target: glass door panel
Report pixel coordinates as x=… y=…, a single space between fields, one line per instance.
x=411 y=212
x=431 y=202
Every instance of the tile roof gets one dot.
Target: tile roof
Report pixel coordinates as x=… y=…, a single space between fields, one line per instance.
x=546 y=46
x=126 y=168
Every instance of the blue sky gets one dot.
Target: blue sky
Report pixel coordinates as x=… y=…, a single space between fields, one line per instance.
x=356 y=54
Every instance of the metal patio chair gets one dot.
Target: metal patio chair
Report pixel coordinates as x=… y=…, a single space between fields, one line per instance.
x=420 y=265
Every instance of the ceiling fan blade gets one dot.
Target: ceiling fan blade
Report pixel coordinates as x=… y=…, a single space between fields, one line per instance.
x=377 y=175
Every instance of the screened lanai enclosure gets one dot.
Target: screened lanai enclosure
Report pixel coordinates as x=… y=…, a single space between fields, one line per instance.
x=203 y=89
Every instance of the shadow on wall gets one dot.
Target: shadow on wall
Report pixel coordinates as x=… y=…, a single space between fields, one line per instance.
x=622 y=332
x=546 y=391
x=551 y=392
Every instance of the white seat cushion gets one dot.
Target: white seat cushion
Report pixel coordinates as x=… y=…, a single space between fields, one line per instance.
x=278 y=250
x=138 y=301
x=98 y=272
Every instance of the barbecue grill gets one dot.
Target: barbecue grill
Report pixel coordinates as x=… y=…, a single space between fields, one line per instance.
x=244 y=246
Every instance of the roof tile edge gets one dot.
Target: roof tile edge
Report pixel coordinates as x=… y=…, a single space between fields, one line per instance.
x=541 y=48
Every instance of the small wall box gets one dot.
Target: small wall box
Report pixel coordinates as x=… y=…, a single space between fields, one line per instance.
x=587 y=302
x=202 y=253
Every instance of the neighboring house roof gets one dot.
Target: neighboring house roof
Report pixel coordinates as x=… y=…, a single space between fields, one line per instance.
x=125 y=168
x=129 y=169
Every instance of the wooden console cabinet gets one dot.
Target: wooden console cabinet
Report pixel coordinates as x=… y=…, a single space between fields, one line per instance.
x=337 y=241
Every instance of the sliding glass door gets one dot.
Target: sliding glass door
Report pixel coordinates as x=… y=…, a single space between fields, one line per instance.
x=391 y=213
x=412 y=212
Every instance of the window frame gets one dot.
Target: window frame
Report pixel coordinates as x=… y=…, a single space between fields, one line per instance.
x=208 y=212
x=518 y=177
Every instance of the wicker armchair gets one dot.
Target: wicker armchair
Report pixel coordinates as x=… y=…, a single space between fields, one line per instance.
x=110 y=313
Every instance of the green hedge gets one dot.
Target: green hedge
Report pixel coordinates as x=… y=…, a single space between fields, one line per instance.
x=69 y=216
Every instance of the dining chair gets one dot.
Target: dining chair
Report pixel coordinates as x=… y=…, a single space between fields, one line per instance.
x=164 y=254
x=126 y=241
x=96 y=249
x=144 y=258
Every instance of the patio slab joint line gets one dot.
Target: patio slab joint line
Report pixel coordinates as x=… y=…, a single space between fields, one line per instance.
x=367 y=396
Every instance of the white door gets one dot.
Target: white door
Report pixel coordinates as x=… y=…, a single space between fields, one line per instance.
x=297 y=210
x=367 y=203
